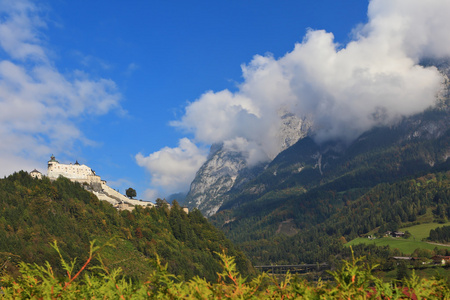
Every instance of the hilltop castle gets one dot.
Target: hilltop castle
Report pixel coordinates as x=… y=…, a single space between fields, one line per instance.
x=91 y=181
x=75 y=172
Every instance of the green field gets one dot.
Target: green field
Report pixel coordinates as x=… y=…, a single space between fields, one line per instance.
x=407 y=246
x=422 y=231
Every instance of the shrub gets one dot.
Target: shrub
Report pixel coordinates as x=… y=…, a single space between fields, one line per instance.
x=354 y=280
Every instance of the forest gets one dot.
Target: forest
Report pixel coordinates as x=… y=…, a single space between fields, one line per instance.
x=323 y=220
x=440 y=234
x=59 y=241
x=36 y=213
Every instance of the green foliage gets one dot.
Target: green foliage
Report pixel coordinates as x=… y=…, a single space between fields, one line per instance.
x=402 y=271
x=354 y=280
x=324 y=217
x=131 y=193
x=440 y=234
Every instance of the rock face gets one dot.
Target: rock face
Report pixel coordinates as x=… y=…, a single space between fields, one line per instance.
x=215 y=177
x=293 y=129
x=226 y=169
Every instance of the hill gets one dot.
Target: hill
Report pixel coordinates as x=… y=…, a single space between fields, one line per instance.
x=34 y=213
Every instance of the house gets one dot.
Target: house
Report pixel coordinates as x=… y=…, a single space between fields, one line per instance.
x=404 y=258
x=36 y=174
x=441 y=260
x=398 y=234
x=394 y=233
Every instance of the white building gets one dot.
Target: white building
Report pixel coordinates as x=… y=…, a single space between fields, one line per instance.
x=36 y=174
x=83 y=174
x=75 y=172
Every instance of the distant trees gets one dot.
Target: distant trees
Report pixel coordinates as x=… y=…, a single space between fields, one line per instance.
x=440 y=234
x=130 y=192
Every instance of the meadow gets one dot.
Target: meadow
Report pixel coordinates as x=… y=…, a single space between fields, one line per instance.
x=407 y=246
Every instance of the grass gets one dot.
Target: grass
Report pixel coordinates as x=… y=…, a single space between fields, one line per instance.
x=407 y=246
x=422 y=231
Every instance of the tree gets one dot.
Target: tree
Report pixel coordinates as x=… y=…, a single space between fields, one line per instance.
x=130 y=192
x=402 y=271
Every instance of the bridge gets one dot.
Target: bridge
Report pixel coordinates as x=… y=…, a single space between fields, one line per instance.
x=293 y=269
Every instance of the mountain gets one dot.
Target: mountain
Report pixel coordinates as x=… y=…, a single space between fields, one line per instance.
x=214 y=178
x=180 y=197
x=227 y=168
x=312 y=196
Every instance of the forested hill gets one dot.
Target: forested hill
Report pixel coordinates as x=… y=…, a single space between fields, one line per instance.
x=34 y=213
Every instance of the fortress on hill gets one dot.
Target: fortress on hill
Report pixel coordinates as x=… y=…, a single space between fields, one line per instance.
x=91 y=181
x=75 y=172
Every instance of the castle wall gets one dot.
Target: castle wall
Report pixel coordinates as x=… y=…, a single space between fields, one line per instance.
x=84 y=174
x=75 y=172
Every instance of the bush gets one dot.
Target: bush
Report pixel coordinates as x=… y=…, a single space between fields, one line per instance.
x=353 y=281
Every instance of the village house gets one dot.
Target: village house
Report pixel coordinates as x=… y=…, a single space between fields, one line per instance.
x=395 y=233
x=36 y=174
x=441 y=260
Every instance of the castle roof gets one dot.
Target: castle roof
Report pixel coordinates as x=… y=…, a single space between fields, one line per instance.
x=35 y=171
x=52 y=158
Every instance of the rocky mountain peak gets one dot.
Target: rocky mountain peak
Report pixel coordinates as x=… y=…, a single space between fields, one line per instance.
x=226 y=168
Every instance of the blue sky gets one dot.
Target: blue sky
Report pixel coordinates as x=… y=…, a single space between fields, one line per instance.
x=123 y=82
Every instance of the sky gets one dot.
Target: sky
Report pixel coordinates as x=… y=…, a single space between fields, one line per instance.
x=139 y=90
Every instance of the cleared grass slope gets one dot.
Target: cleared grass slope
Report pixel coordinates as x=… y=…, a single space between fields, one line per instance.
x=407 y=246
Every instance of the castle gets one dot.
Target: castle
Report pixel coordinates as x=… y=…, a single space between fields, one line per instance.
x=91 y=181
x=75 y=172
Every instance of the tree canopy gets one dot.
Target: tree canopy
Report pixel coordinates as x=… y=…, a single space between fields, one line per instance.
x=131 y=193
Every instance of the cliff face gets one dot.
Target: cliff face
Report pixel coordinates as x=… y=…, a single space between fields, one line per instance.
x=215 y=177
x=226 y=168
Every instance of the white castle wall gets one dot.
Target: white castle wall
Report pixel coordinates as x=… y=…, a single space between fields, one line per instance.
x=84 y=174
x=75 y=172
x=112 y=192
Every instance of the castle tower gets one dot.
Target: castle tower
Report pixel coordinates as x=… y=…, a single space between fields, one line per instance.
x=52 y=166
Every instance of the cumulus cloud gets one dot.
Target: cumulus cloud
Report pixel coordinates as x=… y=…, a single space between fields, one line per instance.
x=39 y=106
x=173 y=169
x=374 y=80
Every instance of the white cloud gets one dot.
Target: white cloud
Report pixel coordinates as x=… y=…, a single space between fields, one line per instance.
x=132 y=67
x=252 y=152
x=151 y=195
x=173 y=169
x=346 y=89
x=39 y=106
x=375 y=79
x=19 y=30
x=419 y=28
